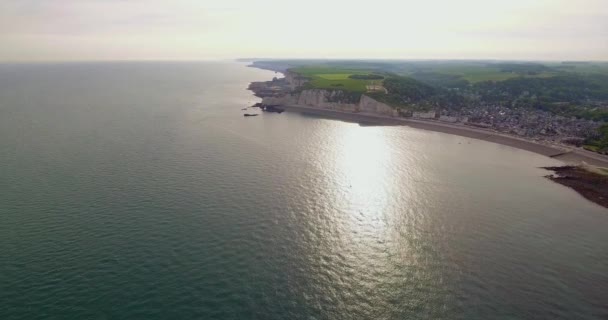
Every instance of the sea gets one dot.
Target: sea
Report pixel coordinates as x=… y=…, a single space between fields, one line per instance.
x=138 y=190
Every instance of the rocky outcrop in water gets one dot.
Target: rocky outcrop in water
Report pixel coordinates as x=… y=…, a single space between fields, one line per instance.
x=590 y=182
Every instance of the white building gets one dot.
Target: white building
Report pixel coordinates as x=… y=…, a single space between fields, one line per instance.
x=448 y=119
x=424 y=115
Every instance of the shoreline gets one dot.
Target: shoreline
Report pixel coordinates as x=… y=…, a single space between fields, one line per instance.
x=562 y=153
x=566 y=154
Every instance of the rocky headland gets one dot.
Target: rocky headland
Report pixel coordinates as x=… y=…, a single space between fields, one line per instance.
x=588 y=181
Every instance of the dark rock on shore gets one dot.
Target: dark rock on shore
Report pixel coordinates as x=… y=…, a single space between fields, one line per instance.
x=272 y=109
x=591 y=183
x=268 y=108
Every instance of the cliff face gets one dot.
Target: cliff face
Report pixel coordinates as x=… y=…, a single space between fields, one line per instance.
x=294 y=79
x=285 y=100
x=326 y=99
x=333 y=100
x=285 y=92
x=369 y=105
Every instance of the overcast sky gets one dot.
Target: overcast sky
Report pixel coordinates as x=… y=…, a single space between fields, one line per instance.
x=46 y=30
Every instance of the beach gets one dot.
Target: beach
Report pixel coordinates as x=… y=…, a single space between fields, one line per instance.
x=568 y=155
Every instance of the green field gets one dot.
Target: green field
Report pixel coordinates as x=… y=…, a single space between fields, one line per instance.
x=474 y=74
x=338 y=78
x=335 y=75
x=585 y=68
x=334 y=78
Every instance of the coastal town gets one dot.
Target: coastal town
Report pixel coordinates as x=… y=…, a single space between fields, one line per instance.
x=535 y=124
x=517 y=121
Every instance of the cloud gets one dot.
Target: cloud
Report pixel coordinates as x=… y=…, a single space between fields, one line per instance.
x=188 y=29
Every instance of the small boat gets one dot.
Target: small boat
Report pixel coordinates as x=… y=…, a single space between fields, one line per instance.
x=244 y=109
x=250 y=115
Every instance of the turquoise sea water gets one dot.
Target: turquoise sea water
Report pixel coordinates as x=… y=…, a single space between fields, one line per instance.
x=139 y=191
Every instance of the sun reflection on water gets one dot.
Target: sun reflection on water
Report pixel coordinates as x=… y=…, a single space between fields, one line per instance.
x=371 y=239
x=361 y=162
x=362 y=157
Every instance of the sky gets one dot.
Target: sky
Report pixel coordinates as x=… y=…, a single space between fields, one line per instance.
x=72 y=30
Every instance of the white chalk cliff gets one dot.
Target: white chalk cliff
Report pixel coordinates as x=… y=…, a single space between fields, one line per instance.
x=332 y=100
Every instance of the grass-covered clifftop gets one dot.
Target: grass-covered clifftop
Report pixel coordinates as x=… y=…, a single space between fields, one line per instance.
x=395 y=90
x=569 y=89
x=335 y=78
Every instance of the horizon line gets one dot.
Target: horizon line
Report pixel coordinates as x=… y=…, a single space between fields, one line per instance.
x=247 y=59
